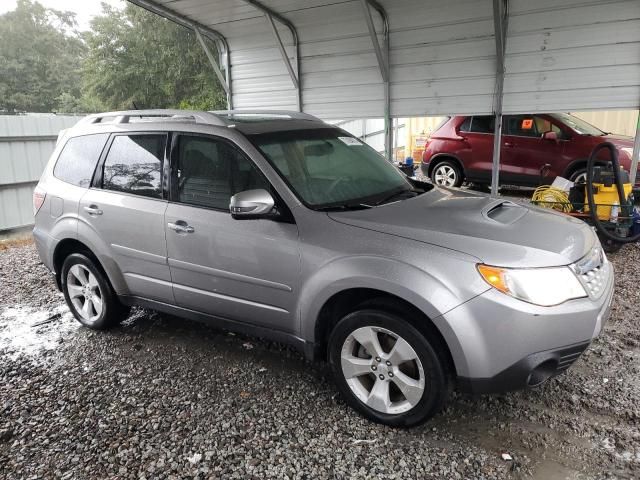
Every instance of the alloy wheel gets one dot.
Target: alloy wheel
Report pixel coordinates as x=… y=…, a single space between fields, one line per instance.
x=382 y=370
x=581 y=178
x=84 y=292
x=445 y=175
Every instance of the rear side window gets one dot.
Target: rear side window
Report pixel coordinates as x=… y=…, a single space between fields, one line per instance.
x=483 y=124
x=466 y=125
x=79 y=158
x=134 y=165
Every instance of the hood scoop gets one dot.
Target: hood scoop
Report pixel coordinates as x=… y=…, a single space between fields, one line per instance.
x=504 y=211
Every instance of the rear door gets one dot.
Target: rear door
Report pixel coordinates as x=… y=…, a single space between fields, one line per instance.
x=245 y=270
x=477 y=155
x=125 y=209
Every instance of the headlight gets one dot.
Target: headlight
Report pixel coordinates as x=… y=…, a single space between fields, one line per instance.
x=540 y=286
x=628 y=151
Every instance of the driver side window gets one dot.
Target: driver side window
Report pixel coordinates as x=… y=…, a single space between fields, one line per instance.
x=208 y=172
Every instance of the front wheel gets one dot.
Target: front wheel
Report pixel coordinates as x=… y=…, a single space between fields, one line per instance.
x=446 y=174
x=386 y=369
x=579 y=176
x=88 y=293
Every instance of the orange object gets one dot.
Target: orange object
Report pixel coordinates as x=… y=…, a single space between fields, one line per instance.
x=527 y=124
x=494 y=276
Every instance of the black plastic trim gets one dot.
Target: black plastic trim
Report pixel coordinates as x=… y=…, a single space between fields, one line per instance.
x=223 y=323
x=516 y=377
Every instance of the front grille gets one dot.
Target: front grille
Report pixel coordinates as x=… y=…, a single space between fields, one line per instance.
x=593 y=272
x=570 y=355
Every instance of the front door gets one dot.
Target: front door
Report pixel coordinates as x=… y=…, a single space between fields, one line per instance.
x=126 y=207
x=245 y=270
x=526 y=157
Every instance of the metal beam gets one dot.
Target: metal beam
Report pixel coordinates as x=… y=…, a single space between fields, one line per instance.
x=283 y=53
x=214 y=64
x=500 y=17
x=272 y=15
x=635 y=155
x=214 y=35
x=382 y=55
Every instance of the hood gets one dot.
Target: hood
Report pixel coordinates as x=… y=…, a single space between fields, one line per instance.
x=618 y=140
x=495 y=231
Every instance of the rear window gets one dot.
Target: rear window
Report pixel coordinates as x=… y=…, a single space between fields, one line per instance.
x=134 y=165
x=79 y=158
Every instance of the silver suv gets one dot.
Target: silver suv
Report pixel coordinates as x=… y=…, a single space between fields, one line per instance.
x=281 y=226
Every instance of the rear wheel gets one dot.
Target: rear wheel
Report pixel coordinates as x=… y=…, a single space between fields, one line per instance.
x=447 y=174
x=88 y=293
x=386 y=369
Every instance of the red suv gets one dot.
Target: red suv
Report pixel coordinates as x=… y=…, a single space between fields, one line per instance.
x=535 y=149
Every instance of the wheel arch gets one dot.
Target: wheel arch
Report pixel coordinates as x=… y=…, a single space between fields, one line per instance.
x=69 y=246
x=352 y=299
x=577 y=165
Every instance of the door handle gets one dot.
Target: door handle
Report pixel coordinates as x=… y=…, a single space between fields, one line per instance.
x=181 y=227
x=93 y=210
x=508 y=144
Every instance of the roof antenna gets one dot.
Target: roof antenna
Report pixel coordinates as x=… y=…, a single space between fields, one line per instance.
x=135 y=107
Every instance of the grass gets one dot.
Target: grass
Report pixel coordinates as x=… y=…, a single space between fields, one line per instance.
x=14 y=242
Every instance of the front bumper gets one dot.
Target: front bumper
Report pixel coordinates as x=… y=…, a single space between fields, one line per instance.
x=531 y=371
x=506 y=344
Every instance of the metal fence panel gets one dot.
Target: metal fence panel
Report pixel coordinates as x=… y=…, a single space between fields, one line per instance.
x=26 y=142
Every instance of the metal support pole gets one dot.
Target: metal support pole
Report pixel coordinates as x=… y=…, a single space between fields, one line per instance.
x=271 y=16
x=214 y=64
x=500 y=29
x=635 y=155
x=382 y=55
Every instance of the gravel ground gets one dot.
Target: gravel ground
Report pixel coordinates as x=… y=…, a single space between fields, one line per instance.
x=161 y=397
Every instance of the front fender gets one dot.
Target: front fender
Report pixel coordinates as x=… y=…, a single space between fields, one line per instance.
x=425 y=291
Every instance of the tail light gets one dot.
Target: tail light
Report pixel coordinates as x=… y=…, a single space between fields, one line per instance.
x=38 y=199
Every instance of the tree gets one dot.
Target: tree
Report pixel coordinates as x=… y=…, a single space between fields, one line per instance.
x=40 y=57
x=138 y=58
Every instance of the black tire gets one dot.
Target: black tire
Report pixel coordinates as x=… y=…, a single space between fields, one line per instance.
x=437 y=380
x=577 y=173
x=112 y=311
x=609 y=245
x=450 y=166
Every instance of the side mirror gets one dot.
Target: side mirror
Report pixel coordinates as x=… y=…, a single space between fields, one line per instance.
x=550 y=135
x=251 y=204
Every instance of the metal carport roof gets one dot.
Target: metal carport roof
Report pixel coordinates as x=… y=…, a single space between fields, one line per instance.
x=365 y=58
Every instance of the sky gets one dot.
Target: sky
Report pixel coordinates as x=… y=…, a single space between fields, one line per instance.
x=85 y=9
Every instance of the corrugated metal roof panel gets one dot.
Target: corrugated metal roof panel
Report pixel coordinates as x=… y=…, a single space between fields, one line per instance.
x=442 y=55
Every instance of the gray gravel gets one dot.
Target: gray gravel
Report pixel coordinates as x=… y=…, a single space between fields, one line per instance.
x=161 y=397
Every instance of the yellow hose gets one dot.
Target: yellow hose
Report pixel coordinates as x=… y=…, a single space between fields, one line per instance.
x=551 y=197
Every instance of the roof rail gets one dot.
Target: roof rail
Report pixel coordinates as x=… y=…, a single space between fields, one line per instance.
x=125 y=116
x=266 y=113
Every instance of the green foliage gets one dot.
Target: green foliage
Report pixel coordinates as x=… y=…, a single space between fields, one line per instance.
x=40 y=58
x=130 y=56
x=136 y=57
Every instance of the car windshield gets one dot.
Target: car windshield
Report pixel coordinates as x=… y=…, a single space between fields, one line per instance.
x=577 y=124
x=327 y=168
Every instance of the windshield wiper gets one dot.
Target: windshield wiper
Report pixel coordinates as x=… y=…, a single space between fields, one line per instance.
x=388 y=198
x=343 y=207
